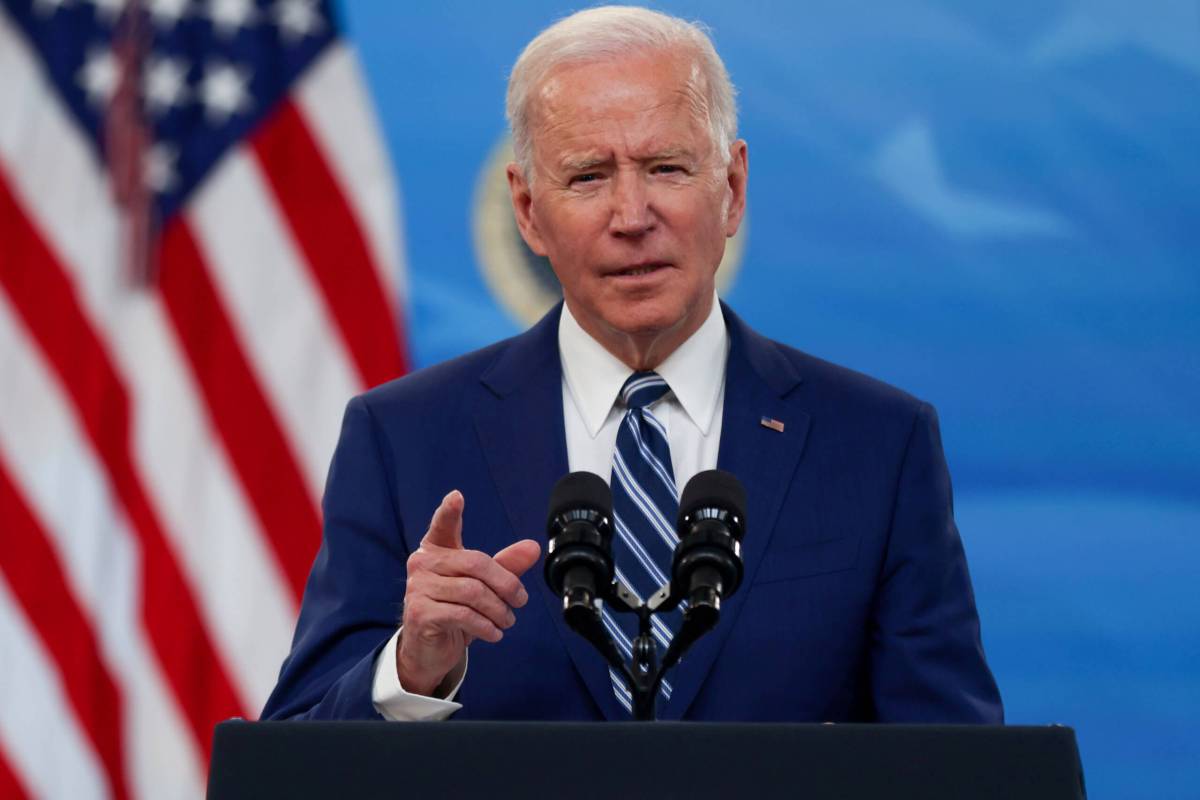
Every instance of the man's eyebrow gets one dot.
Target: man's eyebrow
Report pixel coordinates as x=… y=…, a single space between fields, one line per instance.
x=587 y=163
x=584 y=164
x=669 y=154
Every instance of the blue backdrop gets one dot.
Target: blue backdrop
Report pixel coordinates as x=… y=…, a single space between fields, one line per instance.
x=994 y=205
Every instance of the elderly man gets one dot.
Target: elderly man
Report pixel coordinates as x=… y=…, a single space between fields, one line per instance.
x=856 y=603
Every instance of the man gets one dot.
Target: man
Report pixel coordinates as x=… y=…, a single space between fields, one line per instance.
x=856 y=603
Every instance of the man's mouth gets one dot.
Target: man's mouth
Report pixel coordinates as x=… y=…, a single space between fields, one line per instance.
x=639 y=269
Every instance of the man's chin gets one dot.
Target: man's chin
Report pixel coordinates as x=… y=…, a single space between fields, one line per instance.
x=644 y=321
x=652 y=325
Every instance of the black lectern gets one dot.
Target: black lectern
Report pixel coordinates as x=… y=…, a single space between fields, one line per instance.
x=361 y=760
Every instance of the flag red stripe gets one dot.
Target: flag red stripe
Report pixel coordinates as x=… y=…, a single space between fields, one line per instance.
x=260 y=453
x=47 y=303
x=11 y=787
x=332 y=242
x=35 y=574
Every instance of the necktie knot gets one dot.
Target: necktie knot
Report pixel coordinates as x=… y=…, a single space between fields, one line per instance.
x=643 y=389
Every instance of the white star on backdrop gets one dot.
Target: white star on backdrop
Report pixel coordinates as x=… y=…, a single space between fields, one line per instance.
x=297 y=19
x=99 y=76
x=164 y=83
x=166 y=13
x=223 y=91
x=158 y=167
x=229 y=15
x=109 y=10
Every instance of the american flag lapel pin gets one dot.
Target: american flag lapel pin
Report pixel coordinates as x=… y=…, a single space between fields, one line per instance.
x=773 y=424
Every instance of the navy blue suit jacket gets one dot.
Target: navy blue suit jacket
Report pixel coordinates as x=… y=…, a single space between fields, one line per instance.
x=856 y=604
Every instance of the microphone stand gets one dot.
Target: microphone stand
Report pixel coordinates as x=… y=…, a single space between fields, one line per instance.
x=643 y=675
x=707 y=566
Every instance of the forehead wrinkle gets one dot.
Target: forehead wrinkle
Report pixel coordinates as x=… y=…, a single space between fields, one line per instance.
x=551 y=119
x=695 y=92
x=693 y=85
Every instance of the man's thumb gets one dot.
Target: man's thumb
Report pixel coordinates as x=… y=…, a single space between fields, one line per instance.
x=519 y=556
x=445 y=529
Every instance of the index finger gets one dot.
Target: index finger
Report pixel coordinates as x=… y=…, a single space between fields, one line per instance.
x=445 y=529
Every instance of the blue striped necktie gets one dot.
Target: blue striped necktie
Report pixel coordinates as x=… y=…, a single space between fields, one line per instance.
x=645 y=505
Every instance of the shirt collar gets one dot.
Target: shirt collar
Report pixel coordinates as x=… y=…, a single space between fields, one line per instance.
x=695 y=371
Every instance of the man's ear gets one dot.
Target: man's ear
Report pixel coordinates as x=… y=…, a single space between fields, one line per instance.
x=736 y=175
x=522 y=203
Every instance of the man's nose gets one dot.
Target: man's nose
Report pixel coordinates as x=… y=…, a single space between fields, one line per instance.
x=631 y=212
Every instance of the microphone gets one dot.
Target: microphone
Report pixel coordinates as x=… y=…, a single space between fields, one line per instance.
x=708 y=559
x=706 y=567
x=579 y=564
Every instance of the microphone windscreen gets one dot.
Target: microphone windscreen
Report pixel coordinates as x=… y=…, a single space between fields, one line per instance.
x=714 y=488
x=577 y=490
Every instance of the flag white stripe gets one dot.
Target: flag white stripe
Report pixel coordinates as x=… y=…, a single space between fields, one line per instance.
x=42 y=446
x=40 y=735
x=205 y=510
x=282 y=322
x=333 y=99
x=218 y=541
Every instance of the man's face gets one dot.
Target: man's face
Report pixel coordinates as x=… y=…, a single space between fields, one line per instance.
x=630 y=201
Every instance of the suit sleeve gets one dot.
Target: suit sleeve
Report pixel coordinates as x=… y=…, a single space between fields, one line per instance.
x=352 y=601
x=927 y=662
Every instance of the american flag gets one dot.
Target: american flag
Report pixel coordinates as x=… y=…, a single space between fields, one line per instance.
x=199 y=265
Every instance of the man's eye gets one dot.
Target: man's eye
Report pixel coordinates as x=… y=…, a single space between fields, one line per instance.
x=667 y=169
x=587 y=177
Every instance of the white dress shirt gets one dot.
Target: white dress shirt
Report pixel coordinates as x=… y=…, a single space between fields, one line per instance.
x=592 y=380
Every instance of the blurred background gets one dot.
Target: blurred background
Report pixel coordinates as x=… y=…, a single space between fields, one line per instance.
x=993 y=205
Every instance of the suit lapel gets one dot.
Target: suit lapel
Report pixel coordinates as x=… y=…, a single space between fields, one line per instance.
x=758 y=379
x=520 y=427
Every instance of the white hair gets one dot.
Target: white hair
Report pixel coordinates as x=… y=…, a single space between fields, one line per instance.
x=608 y=32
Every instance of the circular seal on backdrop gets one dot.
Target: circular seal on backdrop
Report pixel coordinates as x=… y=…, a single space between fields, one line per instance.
x=520 y=279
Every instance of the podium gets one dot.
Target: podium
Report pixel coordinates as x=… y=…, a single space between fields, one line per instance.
x=367 y=760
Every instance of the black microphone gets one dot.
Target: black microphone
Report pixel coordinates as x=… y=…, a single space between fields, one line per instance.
x=579 y=564
x=708 y=559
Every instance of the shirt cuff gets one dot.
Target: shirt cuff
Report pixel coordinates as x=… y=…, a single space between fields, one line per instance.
x=397 y=705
